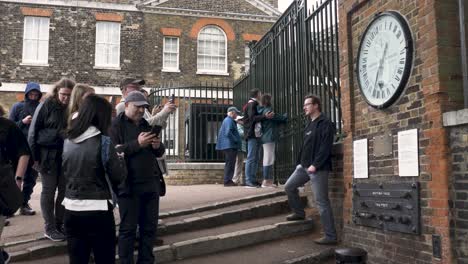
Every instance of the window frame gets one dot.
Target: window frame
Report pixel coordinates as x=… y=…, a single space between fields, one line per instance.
x=107 y=46
x=213 y=72
x=169 y=69
x=37 y=62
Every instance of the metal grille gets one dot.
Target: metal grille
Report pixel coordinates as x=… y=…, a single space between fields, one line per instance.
x=298 y=56
x=192 y=131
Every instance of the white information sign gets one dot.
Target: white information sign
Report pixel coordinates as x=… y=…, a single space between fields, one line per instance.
x=360 y=158
x=408 y=160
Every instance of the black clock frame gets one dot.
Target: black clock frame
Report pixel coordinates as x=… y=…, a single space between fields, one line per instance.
x=408 y=63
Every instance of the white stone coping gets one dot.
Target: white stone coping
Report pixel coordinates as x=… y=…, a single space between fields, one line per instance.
x=78 y=3
x=456 y=118
x=195 y=166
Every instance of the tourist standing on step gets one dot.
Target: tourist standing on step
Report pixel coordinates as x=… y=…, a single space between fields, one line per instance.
x=269 y=136
x=252 y=119
x=229 y=142
x=14 y=159
x=238 y=177
x=314 y=164
x=92 y=171
x=45 y=138
x=139 y=197
x=21 y=113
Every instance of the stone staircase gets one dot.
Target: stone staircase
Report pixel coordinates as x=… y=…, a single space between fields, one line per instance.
x=210 y=233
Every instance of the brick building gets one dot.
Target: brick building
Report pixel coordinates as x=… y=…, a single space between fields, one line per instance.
x=99 y=42
x=434 y=87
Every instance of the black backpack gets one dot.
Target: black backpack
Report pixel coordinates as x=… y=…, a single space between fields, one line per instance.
x=11 y=196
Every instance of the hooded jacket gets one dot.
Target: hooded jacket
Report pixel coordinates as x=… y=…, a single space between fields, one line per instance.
x=22 y=109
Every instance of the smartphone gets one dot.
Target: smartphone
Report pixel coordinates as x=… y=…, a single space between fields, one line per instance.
x=172 y=99
x=156 y=130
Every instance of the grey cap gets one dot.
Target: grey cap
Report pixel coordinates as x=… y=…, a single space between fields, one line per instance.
x=128 y=81
x=233 y=109
x=137 y=98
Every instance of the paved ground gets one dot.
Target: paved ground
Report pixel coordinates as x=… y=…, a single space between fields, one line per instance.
x=177 y=198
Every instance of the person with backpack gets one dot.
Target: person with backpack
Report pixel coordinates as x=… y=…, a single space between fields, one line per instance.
x=14 y=160
x=45 y=137
x=92 y=172
x=21 y=113
x=252 y=119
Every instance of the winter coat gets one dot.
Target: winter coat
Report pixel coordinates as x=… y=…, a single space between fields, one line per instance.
x=45 y=135
x=318 y=143
x=270 y=133
x=251 y=116
x=84 y=169
x=22 y=109
x=143 y=171
x=228 y=136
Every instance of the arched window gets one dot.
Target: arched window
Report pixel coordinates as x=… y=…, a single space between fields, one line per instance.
x=212 y=50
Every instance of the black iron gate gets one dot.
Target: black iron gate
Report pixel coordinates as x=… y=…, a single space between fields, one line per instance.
x=298 y=56
x=191 y=132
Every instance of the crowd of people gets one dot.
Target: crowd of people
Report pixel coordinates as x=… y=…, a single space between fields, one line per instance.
x=91 y=163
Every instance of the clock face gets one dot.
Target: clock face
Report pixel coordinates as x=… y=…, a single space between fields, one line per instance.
x=384 y=59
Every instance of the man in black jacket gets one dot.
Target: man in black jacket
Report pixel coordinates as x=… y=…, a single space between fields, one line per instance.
x=314 y=164
x=139 y=197
x=21 y=113
x=251 y=118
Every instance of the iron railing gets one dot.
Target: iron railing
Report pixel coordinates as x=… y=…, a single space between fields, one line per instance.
x=298 y=56
x=192 y=130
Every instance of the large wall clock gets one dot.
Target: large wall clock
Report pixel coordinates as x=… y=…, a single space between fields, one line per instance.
x=385 y=58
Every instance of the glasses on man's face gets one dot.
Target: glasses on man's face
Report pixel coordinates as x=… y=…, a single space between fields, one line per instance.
x=64 y=95
x=308 y=104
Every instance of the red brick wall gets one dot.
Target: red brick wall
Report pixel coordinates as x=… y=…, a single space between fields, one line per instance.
x=432 y=89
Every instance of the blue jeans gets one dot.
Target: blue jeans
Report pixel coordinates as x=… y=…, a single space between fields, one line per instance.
x=319 y=181
x=251 y=164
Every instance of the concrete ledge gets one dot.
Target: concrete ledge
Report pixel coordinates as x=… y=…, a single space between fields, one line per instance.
x=456 y=118
x=195 y=166
x=228 y=241
x=314 y=258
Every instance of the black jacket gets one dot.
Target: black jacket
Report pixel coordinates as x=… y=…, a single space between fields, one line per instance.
x=318 y=143
x=45 y=135
x=251 y=116
x=143 y=171
x=84 y=169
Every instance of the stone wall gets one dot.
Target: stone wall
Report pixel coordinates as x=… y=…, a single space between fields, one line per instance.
x=194 y=173
x=432 y=89
x=71 y=46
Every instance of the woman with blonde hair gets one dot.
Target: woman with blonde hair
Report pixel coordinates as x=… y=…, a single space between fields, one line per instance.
x=46 y=137
x=80 y=91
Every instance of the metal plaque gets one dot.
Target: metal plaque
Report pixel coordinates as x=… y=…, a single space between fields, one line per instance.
x=383 y=145
x=387 y=206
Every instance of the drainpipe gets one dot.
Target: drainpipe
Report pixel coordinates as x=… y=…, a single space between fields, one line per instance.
x=461 y=7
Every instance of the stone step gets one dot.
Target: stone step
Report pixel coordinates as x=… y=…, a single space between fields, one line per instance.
x=297 y=249
x=182 y=222
x=219 y=239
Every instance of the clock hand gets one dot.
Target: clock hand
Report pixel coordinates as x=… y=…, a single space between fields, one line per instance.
x=380 y=69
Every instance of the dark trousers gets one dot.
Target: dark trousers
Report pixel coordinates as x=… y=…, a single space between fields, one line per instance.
x=90 y=231
x=29 y=182
x=52 y=208
x=230 y=156
x=138 y=210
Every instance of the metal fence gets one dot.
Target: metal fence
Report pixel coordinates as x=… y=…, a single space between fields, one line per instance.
x=298 y=56
x=192 y=130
